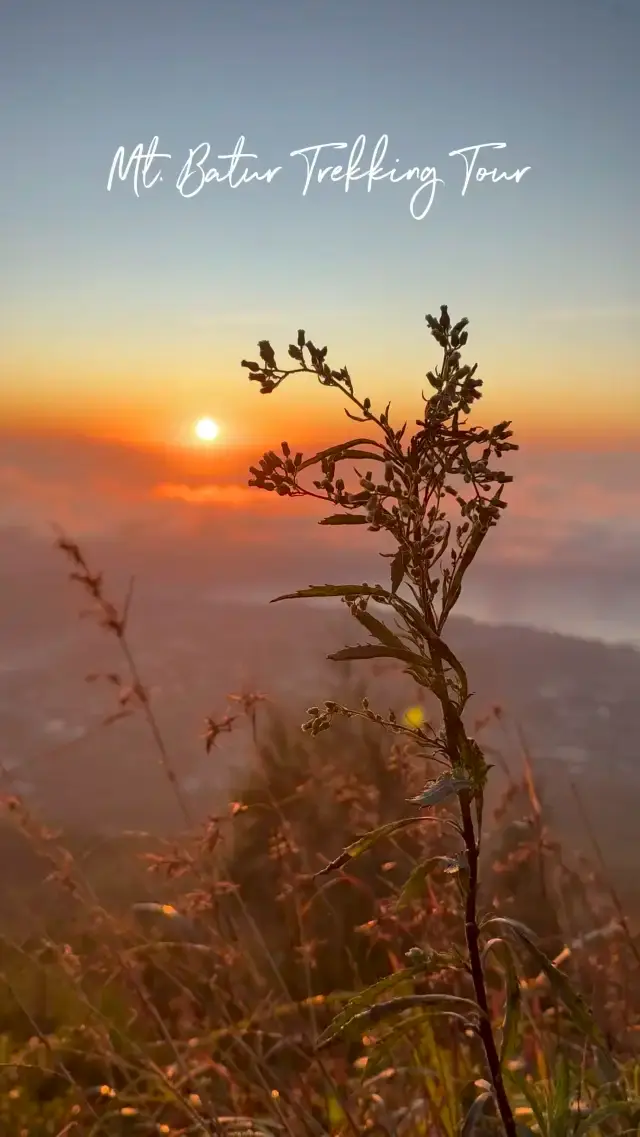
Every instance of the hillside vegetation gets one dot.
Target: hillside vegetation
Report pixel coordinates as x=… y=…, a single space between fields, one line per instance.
x=361 y=941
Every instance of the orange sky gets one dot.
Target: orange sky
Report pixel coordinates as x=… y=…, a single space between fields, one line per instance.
x=163 y=416
x=126 y=315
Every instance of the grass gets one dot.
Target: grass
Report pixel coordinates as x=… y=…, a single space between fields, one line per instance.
x=351 y=946
x=225 y=992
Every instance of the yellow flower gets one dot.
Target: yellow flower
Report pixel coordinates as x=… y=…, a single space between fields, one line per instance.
x=414 y=717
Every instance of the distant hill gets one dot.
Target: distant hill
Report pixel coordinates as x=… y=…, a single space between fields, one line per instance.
x=576 y=701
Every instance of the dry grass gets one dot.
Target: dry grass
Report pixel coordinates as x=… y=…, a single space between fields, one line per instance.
x=203 y=1010
x=284 y=977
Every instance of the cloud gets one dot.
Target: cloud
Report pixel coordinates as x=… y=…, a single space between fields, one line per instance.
x=569 y=541
x=233 y=496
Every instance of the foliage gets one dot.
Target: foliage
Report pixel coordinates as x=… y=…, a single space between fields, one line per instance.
x=435 y=545
x=318 y=958
x=226 y=987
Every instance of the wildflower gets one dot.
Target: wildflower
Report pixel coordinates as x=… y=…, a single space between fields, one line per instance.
x=414 y=717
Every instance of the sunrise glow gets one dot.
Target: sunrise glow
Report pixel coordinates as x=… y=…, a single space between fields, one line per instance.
x=206 y=430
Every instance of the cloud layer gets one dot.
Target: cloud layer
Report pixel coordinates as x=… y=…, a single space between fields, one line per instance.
x=567 y=549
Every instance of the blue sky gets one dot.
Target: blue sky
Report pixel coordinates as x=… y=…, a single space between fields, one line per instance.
x=133 y=313
x=99 y=287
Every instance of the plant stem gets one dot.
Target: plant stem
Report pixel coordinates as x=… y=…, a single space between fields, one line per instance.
x=454 y=728
x=472 y=936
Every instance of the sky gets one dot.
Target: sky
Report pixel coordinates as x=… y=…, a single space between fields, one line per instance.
x=124 y=317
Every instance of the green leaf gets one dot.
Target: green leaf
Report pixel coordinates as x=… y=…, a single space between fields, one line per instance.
x=363 y=844
x=475 y=1114
x=513 y=997
x=557 y=979
x=433 y=1003
x=414 y=885
x=532 y=1099
x=451 y=1005
x=344 y=519
x=561 y=1096
x=365 y=999
x=379 y=1055
x=511 y=1019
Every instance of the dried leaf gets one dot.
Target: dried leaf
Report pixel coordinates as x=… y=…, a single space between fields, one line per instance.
x=435 y=793
x=363 y=844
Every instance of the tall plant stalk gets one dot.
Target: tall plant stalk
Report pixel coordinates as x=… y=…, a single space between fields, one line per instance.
x=436 y=494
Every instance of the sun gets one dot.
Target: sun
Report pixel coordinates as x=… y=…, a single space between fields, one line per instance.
x=206 y=429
